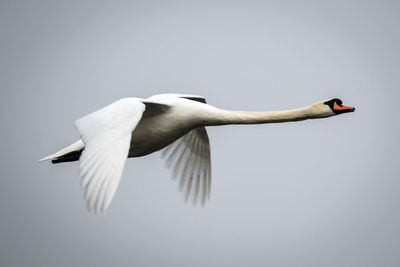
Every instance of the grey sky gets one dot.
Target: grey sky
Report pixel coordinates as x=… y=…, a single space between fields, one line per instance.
x=312 y=193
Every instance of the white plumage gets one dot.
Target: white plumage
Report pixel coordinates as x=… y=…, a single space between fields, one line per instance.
x=106 y=134
x=189 y=158
x=134 y=127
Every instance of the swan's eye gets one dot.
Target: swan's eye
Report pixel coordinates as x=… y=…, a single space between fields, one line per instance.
x=331 y=102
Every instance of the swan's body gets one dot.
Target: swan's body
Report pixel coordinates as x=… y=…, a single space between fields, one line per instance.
x=135 y=127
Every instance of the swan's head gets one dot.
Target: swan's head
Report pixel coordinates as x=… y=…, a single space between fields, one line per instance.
x=329 y=107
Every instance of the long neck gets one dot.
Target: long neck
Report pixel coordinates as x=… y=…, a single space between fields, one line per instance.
x=223 y=117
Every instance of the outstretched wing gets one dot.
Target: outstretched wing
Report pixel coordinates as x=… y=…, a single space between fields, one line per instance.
x=189 y=158
x=106 y=134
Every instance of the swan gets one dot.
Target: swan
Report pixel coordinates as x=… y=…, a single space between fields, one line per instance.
x=135 y=127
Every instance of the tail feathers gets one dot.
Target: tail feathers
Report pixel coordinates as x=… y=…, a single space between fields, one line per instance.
x=69 y=153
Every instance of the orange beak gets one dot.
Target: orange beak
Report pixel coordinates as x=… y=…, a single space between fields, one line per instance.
x=342 y=108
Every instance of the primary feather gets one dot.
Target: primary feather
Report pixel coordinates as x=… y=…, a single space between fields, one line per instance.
x=106 y=134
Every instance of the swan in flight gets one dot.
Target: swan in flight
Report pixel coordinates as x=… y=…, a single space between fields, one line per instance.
x=135 y=127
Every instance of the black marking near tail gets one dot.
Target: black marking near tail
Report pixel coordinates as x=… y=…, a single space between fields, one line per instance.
x=71 y=156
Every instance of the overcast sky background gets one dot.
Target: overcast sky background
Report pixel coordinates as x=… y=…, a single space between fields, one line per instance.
x=311 y=193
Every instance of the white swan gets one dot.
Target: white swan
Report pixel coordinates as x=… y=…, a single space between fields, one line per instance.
x=135 y=127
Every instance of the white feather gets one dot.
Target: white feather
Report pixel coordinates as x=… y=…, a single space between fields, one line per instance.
x=189 y=158
x=106 y=134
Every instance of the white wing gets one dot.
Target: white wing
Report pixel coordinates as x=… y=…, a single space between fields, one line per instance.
x=189 y=158
x=106 y=134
